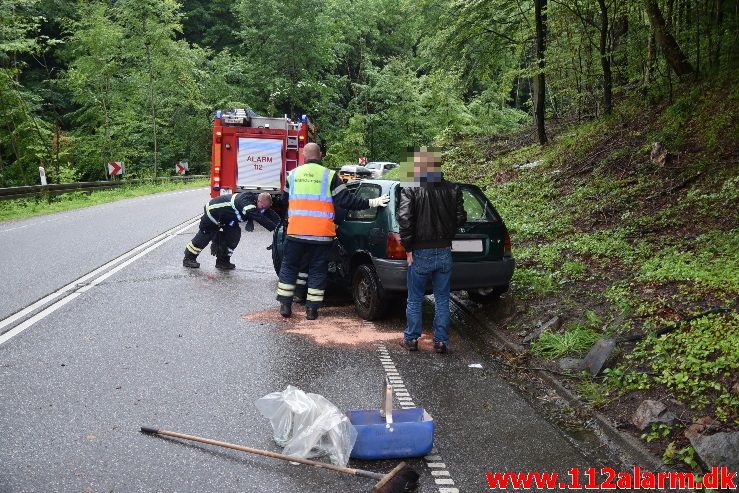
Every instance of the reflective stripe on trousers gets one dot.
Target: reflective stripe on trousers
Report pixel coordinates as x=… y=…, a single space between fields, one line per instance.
x=296 y=255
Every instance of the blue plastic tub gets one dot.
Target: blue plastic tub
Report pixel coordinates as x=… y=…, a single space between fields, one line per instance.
x=412 y=434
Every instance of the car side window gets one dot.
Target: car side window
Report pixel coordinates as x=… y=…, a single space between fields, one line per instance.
x=365 y=191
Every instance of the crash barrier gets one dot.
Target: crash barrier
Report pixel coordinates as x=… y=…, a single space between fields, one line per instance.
x=37 y=191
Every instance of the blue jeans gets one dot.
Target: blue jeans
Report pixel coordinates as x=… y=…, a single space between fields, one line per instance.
x=436 y=264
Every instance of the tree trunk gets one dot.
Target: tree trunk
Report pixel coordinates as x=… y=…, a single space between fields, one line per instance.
x=717 y=24
x=540 y=14
x=697 y=37
x=55 y=150
x=153 y=107
x=620 y=35
x=605 y=58
x=649 y=70
x=674 y=55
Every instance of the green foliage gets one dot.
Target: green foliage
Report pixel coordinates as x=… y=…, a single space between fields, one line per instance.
x=626 y=380
x=622 y=297
x=533 y=281
x=710 y=261
x=577 y=338
x=595 y=393
x=657 y=431
x=530 y=207
x=685 y=455
x=136 y=80
x=697 y=363
x=611 y=244
x=713 y=199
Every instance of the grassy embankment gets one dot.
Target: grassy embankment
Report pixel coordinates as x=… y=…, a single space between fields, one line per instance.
x=22 y=208
x=617 y=244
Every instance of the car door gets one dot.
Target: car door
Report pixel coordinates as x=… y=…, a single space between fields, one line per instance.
x=359 y=231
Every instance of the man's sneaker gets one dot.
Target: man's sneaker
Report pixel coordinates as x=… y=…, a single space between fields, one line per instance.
x=410 y=344
x=440 y=347
x=190 y=262
x=311 y=312
x=224 y=263
x=286 y=309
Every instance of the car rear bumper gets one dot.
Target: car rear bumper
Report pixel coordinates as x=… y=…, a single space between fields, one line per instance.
x=465 y=275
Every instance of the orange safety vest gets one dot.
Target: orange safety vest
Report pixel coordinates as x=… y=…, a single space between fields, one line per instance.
x=311 y=209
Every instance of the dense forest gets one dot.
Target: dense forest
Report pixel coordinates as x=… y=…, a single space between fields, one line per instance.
x=90 y=81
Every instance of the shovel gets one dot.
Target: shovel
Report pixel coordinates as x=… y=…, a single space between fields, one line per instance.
x=601 y=351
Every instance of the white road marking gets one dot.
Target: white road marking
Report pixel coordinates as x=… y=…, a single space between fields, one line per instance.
x=442 y=477
x=79 y=285
x=80 y=281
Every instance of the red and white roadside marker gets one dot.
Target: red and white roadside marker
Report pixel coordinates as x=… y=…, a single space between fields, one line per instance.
x=116 y=168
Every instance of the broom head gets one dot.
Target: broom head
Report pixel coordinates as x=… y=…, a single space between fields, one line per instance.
x=399 y=480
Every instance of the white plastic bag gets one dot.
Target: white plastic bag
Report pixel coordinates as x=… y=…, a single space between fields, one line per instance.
x=308 y=425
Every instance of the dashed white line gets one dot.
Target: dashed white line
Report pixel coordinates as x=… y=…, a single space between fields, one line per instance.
x=442 y=477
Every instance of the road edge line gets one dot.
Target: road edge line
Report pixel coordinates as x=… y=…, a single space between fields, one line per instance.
x=153 y=244
x=442 y=477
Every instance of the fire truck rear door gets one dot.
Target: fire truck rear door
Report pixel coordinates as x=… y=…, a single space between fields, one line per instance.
x=259 y=163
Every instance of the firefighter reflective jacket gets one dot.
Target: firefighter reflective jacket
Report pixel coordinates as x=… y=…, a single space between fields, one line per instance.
x=311 y=211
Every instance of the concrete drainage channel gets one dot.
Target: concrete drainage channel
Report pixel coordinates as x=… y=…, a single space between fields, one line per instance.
x=599 y=440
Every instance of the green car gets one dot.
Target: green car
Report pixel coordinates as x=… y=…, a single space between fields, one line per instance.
x=368 y=259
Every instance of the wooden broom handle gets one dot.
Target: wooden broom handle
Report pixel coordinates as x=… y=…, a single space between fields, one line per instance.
x=265 y=453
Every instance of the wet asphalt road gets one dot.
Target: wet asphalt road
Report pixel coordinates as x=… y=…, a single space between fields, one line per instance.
x=156 y=344
x=44 y=253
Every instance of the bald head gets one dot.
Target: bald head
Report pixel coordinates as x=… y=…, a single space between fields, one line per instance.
x=311 y=151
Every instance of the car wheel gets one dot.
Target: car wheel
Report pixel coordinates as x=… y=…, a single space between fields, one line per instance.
x=366 y=293
x=485 y=296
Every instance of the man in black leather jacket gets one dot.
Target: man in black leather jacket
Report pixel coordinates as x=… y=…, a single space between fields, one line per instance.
x=429 y=214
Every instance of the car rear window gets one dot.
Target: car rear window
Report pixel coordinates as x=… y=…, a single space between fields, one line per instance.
x=477 y=207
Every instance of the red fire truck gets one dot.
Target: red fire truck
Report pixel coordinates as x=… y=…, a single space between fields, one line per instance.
x=255 y=153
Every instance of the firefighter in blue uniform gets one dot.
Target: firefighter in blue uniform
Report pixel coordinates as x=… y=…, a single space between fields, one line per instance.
x=224 y=214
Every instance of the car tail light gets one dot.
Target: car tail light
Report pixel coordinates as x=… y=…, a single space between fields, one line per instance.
x=394 y=249
x=507 y=245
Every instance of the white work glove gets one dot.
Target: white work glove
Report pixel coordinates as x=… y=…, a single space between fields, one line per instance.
x=379 y=201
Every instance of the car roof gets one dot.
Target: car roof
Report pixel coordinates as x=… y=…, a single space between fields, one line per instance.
x=386 y=184
x=382 y=183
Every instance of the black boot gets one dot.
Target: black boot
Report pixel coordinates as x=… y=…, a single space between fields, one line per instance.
x=311 y=312
x=190 y=260
x=286 y=309
x=224 y=263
